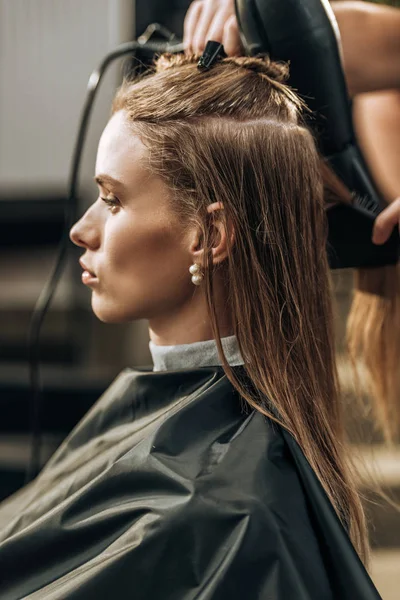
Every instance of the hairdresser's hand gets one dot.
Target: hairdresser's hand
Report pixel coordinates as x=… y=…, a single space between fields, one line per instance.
x=386 y=222
x=211 y=20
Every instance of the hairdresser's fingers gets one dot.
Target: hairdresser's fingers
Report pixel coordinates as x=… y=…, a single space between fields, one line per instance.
x=190 y=24
x=209 y=10
x=231 y=37
x=385 y=222
x=215 y=31
x=211 y=25
x=221 y=21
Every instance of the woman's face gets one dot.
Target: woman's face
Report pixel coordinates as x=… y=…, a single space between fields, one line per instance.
x=137 y=251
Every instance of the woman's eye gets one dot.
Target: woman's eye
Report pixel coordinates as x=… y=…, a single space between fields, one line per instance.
x=112 y=203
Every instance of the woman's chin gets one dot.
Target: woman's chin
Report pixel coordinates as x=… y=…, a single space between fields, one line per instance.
x=106 y=313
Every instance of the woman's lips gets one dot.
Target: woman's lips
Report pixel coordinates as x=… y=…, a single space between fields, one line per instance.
x=88 y=278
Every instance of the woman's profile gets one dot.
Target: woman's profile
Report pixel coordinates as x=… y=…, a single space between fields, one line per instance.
x=223 y=473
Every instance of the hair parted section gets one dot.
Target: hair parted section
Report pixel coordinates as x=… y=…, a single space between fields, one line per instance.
x=234 y=134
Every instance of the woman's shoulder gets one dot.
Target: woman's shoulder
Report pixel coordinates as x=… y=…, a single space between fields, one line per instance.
x=177 y=479
x=185 y=430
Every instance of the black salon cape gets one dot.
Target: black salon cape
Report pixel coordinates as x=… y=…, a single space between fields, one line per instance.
x=169 y=489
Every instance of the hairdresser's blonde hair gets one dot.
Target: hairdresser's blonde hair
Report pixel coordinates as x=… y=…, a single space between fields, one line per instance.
x=373 y=329
x=373 y=341
x=233 y=134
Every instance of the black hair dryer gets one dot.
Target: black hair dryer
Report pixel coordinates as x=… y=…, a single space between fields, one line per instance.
x=305 y=32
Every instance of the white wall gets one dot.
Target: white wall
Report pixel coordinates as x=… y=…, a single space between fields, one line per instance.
x=48 y=49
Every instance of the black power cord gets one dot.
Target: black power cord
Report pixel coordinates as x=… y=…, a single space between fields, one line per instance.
x=46 y=296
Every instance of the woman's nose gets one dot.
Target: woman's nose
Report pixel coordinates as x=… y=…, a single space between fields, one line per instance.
x=85 y=233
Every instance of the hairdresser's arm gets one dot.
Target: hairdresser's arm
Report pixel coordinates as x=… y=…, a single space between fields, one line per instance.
x=386 y=222
x=376 y=118
x=371 y=45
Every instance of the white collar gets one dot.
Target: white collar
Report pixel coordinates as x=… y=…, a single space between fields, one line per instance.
x=197 y=354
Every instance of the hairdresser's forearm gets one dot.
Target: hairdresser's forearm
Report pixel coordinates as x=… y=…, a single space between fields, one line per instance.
x=371 y=45
x=376 y=118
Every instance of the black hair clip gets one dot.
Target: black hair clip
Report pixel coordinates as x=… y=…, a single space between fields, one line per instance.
x=213 y=52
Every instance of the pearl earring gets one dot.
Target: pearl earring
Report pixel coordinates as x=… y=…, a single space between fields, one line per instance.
x=197 y=274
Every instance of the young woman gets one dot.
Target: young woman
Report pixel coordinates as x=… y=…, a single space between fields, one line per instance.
x=224 y=473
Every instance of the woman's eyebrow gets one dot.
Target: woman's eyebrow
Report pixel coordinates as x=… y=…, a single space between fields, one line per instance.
x=108 y=180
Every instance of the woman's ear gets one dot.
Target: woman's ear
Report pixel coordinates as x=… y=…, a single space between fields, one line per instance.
x=218 y=235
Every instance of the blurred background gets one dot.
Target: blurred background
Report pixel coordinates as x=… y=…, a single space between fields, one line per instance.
x=48 y=48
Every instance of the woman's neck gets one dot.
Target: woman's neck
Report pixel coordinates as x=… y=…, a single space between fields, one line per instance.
x=189 y=322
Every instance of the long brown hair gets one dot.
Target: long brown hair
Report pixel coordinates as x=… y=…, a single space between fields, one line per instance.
x=234 y=135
